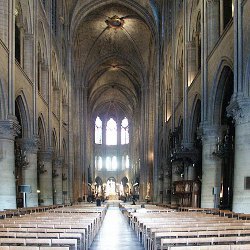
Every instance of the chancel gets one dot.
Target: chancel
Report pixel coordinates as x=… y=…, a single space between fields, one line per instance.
x=124 y=115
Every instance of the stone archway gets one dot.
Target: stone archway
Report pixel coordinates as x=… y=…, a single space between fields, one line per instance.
x=25 y=157
x=217 y=176
x=225 y=143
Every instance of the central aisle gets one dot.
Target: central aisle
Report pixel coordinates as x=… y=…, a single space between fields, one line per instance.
x=115 y=233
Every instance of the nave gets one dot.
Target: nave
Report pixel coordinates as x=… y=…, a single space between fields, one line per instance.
x=115 y=232
x=118 y=225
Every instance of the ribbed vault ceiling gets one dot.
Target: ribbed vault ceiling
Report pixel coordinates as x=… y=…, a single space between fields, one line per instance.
x=111 y=56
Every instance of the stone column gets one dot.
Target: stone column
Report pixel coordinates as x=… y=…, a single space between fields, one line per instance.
x=213 y=22
x=45 y=177
x=144 y=149
x=57 y=181
x=204 y=64
x=8 y=131
x=240 y=110
x=211 y=168
x=29 y=146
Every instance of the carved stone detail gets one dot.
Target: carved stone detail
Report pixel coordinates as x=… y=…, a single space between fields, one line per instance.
x=239 y=109
x=29 y=145
x=57 y=163
x=208 y=131
x=45 y=155
x=9 y=129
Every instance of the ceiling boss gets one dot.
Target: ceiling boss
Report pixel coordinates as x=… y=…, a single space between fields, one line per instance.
x=115 y=22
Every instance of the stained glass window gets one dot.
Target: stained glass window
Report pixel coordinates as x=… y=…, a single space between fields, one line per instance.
x=98 y=131
x=124 y=131
x=111 y=132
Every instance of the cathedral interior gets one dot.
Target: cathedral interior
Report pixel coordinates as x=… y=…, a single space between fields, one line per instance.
x=145 y=100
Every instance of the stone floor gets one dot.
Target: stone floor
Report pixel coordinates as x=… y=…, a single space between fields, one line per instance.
x=115 y=233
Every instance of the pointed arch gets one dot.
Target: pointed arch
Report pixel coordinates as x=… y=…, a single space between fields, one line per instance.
x=26 y=10
x=224 y=71
x=55 y=69
x=64 y=151
x=42 y=133
x=22 y=114
x=195 y=117
x=43 y=41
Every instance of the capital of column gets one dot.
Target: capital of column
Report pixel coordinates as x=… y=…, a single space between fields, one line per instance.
x=239 y=110
x=57 y=163
x=45 y=155
x=30 y=145
x=9 y=129
x=209 y=131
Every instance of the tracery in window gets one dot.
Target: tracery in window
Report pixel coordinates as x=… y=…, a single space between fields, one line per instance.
x=98 y=130
x=111 y=132
x=124 y=131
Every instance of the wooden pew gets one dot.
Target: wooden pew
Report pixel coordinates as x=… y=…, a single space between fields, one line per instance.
x=165 y=243
x=76 y=226
x=198 y=234
x=212 y=247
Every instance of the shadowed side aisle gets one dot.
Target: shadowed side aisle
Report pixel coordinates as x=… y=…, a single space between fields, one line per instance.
x=115 y=233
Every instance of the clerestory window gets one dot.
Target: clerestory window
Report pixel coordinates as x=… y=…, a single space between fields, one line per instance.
x=98 y=131
x=111 y=132
x=124 y=131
